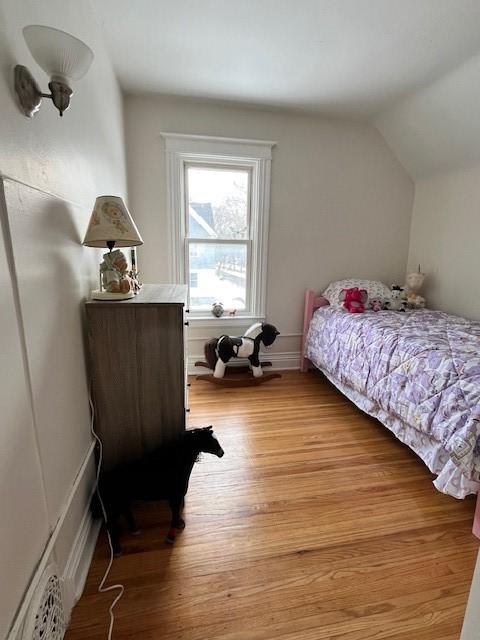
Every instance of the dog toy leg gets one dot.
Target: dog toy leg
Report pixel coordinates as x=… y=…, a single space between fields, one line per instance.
x=171 y=535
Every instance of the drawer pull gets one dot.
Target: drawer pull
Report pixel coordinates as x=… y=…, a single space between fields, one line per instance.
x=187 y=323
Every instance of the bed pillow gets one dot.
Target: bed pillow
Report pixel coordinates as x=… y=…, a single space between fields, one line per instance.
x=374 y=288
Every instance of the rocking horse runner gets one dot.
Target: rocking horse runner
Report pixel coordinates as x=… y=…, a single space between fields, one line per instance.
x=219 y=351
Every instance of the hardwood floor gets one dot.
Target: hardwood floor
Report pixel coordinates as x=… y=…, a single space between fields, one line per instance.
x=316 y=524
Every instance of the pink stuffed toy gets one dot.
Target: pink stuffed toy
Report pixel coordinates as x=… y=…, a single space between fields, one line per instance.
x=354 y=300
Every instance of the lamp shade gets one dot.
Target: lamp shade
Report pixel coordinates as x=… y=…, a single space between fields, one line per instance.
x=111 y=221
x=60 y=55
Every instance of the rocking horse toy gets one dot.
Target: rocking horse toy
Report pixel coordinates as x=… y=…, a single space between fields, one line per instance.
x=219 y=351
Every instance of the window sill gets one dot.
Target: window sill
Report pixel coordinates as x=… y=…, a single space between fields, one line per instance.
x=231 y=321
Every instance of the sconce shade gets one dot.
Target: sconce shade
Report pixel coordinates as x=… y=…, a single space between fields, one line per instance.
x=111 y=221
x=60 y=55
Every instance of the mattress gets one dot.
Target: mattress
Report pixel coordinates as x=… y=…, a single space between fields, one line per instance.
x=418 y=373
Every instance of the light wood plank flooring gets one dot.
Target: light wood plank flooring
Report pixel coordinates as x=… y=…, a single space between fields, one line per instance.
x=316 y=524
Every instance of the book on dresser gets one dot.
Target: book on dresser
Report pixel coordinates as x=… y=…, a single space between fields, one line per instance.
x=138 y=371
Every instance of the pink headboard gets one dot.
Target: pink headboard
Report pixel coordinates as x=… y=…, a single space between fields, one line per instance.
x=312 y=303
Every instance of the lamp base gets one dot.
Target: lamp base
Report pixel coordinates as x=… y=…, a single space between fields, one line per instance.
x=106 y=295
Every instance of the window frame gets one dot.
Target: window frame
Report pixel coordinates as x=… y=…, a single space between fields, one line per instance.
x=255 y=155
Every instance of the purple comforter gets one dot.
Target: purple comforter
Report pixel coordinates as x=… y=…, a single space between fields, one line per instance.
x=422 y=368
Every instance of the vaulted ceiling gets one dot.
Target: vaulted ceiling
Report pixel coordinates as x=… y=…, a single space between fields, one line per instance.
x=351 y=58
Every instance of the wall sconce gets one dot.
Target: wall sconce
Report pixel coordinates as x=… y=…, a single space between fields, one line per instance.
x=62 y=56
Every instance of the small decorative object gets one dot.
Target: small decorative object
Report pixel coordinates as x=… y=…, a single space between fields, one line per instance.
x=376 y=304
x=415 y=301
x=63 y=58
x=136 y=284
x=219 y=351
x=111 y=225
x=217 y=309
x=413 y=285
x=354 y=299
x=397 y=300
x=133 y=273
x=114 y=271
x=232 y=312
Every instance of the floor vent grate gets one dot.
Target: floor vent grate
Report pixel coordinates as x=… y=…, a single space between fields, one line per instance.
x=46 y=617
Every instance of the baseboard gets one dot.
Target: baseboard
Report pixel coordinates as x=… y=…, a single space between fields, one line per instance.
x=281 y=361
x=79 y=560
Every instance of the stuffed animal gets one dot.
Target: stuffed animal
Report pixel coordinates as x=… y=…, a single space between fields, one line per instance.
x=415 y=301
x=376 y=304
x=219 y=351
x=217 y=309
x=412 y=287
x=354 y=299
x=397 y=300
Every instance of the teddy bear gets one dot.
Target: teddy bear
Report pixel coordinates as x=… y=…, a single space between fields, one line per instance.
x=114 y=271
x=415 y=301
x=354 y=299
x=412 y=287
x=397 y=300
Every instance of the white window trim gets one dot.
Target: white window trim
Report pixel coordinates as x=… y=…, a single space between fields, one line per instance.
x=257 y=154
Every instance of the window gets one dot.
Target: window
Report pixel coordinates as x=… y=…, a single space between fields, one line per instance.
x=217 y=236
x=218 y=213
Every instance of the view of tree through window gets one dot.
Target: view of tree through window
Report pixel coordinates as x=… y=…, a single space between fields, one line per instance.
x=218 y=210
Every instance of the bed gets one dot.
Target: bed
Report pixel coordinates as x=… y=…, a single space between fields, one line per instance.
x=417 y=372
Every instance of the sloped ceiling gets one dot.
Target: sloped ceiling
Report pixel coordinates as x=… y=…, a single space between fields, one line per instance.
x=408 y=66
x=349 y=58
x=437 y=129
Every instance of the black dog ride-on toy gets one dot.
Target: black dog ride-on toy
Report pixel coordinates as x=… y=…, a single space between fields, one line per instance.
x=219 y=351
x=162 y=475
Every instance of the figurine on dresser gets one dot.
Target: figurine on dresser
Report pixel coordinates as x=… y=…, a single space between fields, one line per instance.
x=114 y=272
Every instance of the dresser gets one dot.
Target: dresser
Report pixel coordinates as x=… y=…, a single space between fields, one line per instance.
x=138 y=370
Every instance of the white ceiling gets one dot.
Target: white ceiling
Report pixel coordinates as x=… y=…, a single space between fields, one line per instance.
x=351 y=58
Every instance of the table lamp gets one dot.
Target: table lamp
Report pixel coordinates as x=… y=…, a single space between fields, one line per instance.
x=111 y=225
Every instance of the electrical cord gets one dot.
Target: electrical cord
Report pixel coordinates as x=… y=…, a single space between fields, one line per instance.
x=101 y=587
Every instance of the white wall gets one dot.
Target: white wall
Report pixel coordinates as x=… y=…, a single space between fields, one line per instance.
x=435 y=133
x=340 y=201
x=21 y=484
x=44 y=435
x=444 y=240
x=471 y=624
